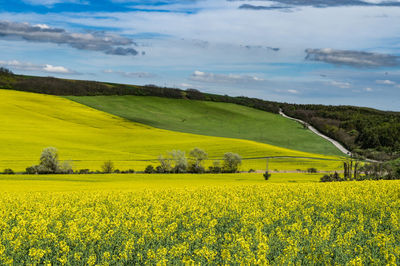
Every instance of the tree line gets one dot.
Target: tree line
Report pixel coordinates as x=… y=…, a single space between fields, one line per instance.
x=175 y=161
x=354 y=171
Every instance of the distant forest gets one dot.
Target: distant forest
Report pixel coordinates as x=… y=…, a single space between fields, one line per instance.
x=368 y=132
x=365 y=131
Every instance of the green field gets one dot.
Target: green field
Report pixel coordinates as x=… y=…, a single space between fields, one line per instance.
x=212 y=119
x=88 y=137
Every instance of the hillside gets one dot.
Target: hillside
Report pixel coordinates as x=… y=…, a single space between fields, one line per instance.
x=212 y=119
x=88 y=137
x=369 y=132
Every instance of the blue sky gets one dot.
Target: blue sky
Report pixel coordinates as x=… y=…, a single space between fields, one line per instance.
x=312 y=51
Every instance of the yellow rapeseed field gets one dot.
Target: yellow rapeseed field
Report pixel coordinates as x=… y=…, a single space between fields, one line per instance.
x=245 y=222
x=88 y=137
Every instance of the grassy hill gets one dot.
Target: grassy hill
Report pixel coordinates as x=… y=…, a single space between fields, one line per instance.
x=365 y=131
x=212 y=119
x=31 y=122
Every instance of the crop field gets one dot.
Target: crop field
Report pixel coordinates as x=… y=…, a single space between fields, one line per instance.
x=212 y=119
x=207 y=219
x=88 y=137
x=132 y=182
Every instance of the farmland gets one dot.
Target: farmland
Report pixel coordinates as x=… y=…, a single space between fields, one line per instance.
x=133 y=182
x=188 y=132
x=212 y=119
x=207 y=219
x=88 y=137
x=238 y=218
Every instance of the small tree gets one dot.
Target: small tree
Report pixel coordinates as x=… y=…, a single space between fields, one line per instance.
x=396 y=167
x=149 y=169
x=31 y=170
x=65 y=168
x=5 y=71
x=49 y=160
x=165 y=165
x=216 y=167
x=351 y=169
x=332 y=178
x=197 y=156
x=312 y=170
x=232 y=162
x=180 y=160
x=108 y=167
x=8 y=171
x=84 y=171
x=49 y=164
x=266 y=175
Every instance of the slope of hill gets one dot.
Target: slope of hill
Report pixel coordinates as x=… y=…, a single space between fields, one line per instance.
x=31 y=122
x=212 y=119
x=369 y=132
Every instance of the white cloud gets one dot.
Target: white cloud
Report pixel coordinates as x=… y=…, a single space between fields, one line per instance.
x=94 y=41
x=342 y=85
x=186 y=85
x=53 y=2
x=42 y=26
x=385 y=82
x=293 y=91
x=352 y=58
x=369 y=89
x=308 y=27
x=27 y=66
x=56 y=69
x=223 y=78
x=381 y=1
x=290 y=91
x=130 y=74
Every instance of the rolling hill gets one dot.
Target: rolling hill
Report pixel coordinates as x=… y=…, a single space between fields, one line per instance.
x=212 y=119
x=364 y=131
x=31 y=122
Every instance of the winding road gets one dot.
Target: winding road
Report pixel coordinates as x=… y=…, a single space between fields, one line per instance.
x=334 y=142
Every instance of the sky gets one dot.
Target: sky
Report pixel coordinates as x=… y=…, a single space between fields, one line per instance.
x=337 y=52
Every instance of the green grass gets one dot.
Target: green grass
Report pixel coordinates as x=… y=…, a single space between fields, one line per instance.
x=212 y=119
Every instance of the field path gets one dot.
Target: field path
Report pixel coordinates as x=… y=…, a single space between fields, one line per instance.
x=334 y=142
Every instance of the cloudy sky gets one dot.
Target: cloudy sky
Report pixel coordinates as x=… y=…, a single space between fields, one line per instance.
x=302 y=51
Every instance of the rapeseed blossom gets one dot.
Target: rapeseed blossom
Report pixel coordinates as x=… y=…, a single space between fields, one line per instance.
x=351 y=223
